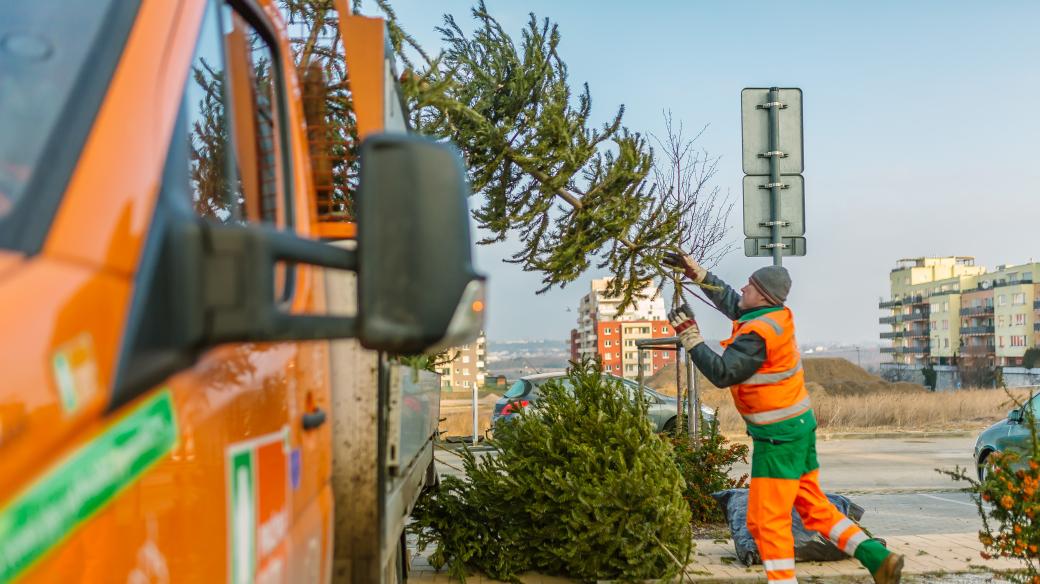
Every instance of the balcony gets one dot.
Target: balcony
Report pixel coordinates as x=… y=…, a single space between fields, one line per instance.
x=976 y=310
x=1036 y=327
x=889 y=303
x=893 y=335
x=922 y=315
x=918 y=350
x=968 y=331
x=917 y=334
x=1036 y=305
x=1002 y=283
x=887 y=320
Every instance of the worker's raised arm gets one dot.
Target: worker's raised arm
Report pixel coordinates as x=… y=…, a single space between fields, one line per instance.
x=735 y=365
x=722 y=295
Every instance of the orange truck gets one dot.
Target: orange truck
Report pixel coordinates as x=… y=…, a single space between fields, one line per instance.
x=197 y=385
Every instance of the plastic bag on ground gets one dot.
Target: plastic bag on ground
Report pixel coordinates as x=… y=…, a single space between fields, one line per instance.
x=808 y=545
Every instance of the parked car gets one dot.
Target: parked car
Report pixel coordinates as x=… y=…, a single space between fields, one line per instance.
x=1011 y=434
x=661 y=410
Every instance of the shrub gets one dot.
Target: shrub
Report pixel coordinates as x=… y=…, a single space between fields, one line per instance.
x=705 y=470
x=581 y=487
x=1031 y=358
x=1008 y=501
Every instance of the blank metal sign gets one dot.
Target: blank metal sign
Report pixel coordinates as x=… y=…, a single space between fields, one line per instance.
x=756 y=247
x=754 y=124
x=757 y=206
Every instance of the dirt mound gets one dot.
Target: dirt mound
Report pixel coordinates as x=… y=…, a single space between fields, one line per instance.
x=838 y=376
x=825 y=369
x=664 y=380
x=830 y=375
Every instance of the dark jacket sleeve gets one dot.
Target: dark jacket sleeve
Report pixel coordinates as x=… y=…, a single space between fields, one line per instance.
x=726 y=299
x=737 y=364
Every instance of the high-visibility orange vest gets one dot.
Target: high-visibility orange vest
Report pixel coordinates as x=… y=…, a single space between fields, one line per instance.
x=776 y=392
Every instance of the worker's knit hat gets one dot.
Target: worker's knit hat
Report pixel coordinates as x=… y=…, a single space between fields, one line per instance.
x=773 y=282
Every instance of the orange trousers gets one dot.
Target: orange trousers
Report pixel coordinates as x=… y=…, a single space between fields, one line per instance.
x=769 y=520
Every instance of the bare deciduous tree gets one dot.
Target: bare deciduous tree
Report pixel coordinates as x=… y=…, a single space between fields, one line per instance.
x=683 y=175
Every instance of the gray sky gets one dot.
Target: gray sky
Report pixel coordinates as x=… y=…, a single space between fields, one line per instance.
x=920 y=133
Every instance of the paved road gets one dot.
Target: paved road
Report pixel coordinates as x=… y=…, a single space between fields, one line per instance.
x=894 y=480
x=890 y=465
x=891 y=478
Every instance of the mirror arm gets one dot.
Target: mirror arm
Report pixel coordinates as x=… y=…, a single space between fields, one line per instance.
x=238 y=285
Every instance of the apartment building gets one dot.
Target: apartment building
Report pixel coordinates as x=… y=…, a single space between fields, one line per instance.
x=469 y=367
x=946 y=310
x=611 y=337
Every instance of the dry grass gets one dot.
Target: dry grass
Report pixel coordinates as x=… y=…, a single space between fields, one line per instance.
x=919 y=411
x=458 y=413
x=967 y=410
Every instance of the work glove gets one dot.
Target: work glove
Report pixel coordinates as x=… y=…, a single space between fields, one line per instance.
x=686 y=326
x=687 y=264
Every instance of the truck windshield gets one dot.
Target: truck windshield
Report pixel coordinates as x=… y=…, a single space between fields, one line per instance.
x=48 y=50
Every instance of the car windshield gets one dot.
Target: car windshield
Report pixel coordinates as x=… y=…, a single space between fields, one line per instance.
x=45 y=52
x=518 y=389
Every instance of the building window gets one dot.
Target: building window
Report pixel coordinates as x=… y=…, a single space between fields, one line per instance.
x=664 y=330
x=946 y=325
x=1020 y=319
x=1001 y=342
x=946 y=306
x=608 y=368
x=606 y=331
x=1000 y=321
x=465 y=371
x=1002 y=300
x=630 y=343
x=1018 y=299
x=946 y=343
x=606 y=343
x=465 y=358
x=664 y=354
x=1018 y=341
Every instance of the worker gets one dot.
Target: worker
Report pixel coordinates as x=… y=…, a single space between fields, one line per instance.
x=763 y=370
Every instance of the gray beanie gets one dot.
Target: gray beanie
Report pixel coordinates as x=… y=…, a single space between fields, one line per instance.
x=773 y=282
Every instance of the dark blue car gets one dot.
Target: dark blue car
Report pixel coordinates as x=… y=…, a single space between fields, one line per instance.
x=1009 y=435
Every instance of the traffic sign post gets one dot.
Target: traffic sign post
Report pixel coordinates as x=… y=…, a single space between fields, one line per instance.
x=771 y=128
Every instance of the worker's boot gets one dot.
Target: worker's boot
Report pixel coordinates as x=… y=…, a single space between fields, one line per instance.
x=891 y=570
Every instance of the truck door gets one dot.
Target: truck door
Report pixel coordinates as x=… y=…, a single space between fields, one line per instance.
x=233 y=497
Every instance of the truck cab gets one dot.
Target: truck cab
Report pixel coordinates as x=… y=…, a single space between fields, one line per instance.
x=200 y=384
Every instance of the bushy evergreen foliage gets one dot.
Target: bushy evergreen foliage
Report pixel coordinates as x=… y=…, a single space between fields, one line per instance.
x=580 y=486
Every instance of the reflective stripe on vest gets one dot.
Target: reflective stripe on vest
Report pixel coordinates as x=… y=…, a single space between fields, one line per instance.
x=764 y=378
x=780 y=414
x=779 y=330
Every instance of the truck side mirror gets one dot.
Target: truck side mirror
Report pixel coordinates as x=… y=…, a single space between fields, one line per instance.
x=417 y=289
x=1015 y=415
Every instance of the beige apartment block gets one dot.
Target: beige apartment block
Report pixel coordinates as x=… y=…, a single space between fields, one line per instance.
x=946 y=309
x=945 y=324
x=469 y=367
x=912 y=283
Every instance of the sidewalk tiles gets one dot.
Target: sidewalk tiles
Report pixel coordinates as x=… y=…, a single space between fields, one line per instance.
x=715 y=562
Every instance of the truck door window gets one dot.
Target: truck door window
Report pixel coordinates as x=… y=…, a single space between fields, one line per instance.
x=238 y=166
